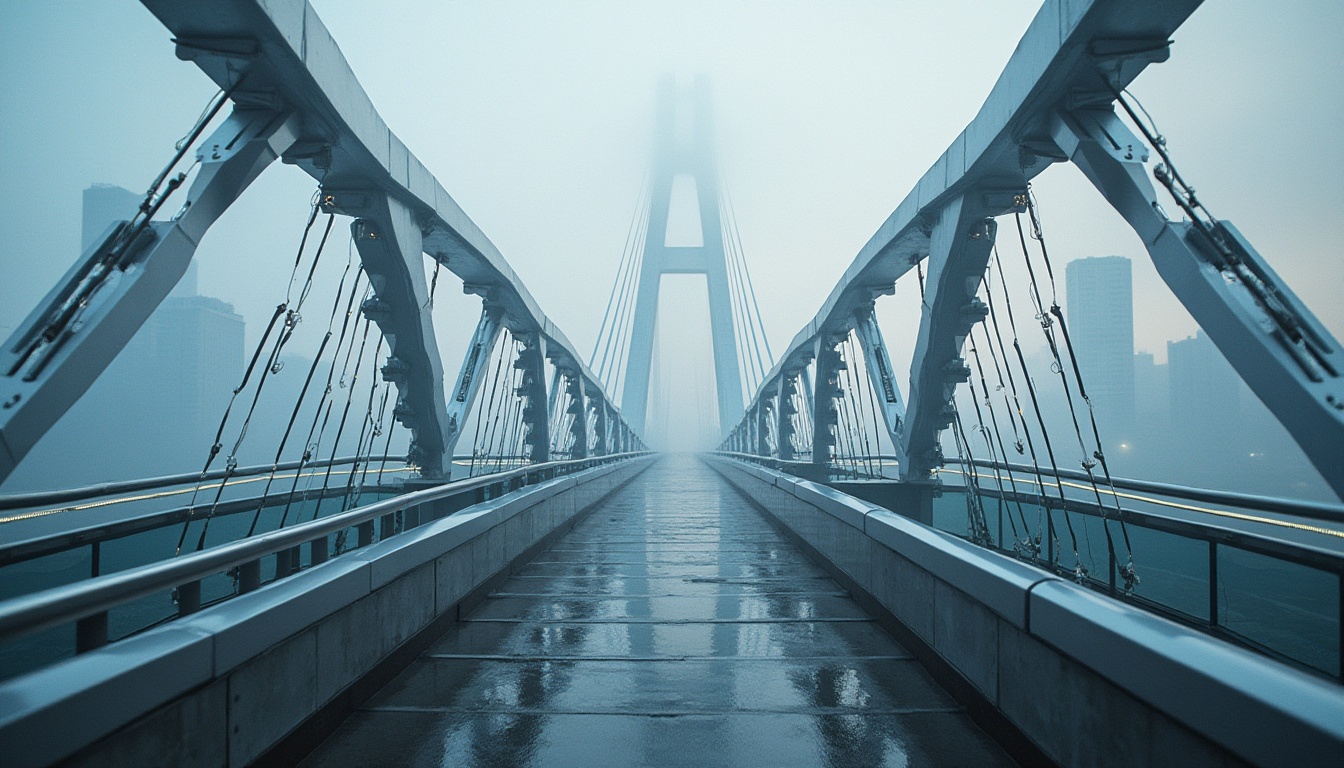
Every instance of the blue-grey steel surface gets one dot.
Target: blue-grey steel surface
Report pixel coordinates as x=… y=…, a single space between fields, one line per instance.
x=1050 y=61
x=295 y=97
x=672 y=627
x=1054 y=103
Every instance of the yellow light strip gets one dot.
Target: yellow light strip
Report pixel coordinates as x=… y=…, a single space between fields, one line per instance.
x=180 y=491
x=1175 y=505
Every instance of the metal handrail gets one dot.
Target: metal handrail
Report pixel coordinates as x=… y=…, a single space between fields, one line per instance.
x=73 y=602
x=1277 y=548
x=1316 y=510
x=68 y=495
x=65 y=540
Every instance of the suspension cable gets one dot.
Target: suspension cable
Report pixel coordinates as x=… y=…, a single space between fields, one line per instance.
x=1016 y=406
x=985 y=433
x=1080 y=571
x=321 y=414
x=626 y=318
x=345 y=413
x=291 y=322
x=737 y=234
x=618 y=282
x=1088 y=463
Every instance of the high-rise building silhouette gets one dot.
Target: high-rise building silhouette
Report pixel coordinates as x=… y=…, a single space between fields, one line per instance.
x=1205 y=389
x=104 y=204
x=1100 y=308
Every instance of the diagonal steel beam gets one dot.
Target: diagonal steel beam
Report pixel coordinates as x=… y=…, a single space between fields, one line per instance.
x=1291 y=362
x=880 y=373
x=81 y=325
x=469 y=376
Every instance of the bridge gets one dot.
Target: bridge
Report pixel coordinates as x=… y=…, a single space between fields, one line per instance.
x=866 y=570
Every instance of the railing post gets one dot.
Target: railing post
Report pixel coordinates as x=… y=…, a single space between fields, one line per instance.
x=91 y=632
x=318 y=550
x=284 y=564
x=1213 y=584
x=364 y=533
x=189 y=598
x=249 y=576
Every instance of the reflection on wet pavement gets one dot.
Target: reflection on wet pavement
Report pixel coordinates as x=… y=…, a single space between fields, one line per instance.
x=672 y=626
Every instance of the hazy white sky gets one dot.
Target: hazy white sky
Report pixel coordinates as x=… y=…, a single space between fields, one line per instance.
x=537 y=116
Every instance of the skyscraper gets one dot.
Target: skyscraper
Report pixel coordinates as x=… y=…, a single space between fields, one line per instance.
x=1100 y=314
x=1205 y=389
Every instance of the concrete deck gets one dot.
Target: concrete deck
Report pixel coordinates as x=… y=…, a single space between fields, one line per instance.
x=673 y=626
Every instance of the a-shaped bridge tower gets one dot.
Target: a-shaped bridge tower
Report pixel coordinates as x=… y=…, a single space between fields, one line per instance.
x=684 y=149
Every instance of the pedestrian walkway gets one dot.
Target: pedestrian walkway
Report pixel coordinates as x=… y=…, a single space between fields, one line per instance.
x=673 y=626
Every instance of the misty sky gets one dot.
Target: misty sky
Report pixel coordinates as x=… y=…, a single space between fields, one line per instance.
x=537 y=118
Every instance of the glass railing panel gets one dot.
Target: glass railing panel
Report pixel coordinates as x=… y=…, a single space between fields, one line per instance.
x=1173 y=571
x=1288 y=608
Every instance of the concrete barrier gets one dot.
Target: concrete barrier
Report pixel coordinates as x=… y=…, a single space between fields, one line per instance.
x=226 y=685
x=1086 y=679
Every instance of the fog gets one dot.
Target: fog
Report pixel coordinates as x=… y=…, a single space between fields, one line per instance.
x=537 y=118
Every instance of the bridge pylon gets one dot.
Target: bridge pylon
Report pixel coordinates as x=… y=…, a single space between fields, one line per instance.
x=686 y=152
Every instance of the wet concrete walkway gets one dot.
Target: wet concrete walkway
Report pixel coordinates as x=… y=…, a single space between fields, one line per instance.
x=671 y=627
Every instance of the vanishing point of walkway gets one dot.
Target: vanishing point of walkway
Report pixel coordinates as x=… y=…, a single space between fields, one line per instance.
x=673 y=626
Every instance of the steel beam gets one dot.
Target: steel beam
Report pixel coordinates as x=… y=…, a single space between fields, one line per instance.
x=761 y=446
x=535 y=413
x=391 y=247
x=79 y=327
x=826 y=390
x=960 y=245
x=469 y=376
x=787 y=384
x=600 y=437
x=578 y=408
x=880 y=373
x=1286 y=356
